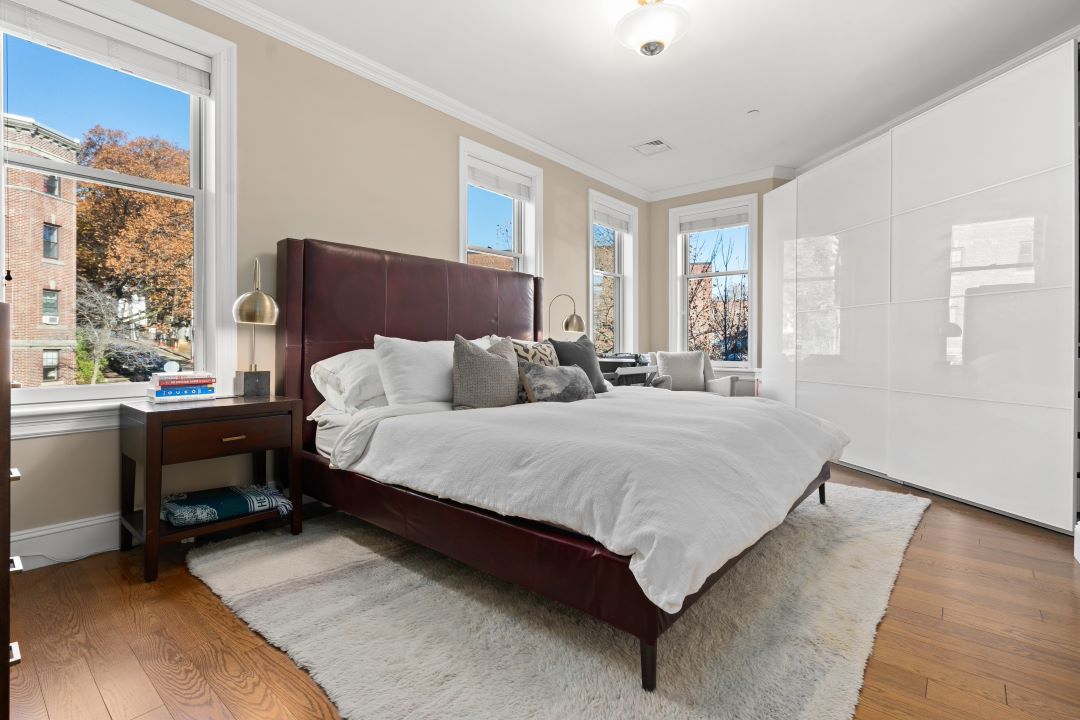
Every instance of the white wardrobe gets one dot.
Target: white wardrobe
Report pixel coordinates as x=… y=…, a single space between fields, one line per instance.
x=921 y=292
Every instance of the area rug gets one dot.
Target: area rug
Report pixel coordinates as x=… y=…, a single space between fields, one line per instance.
x=391 y=630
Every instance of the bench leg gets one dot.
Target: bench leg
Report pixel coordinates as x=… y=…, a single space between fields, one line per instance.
x=648 y=665
x=821 y=493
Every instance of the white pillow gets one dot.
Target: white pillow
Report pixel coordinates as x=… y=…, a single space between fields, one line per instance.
x=350 y=381
x=415 y=372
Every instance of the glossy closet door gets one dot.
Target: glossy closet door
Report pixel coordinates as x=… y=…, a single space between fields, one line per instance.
x=847 y=191
x=1012 y=126
x=778 y=296
x=842 y=296
x=983 y=312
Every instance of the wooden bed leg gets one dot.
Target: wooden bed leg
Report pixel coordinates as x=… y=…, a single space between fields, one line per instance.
x=821 y=493
x=648 y=665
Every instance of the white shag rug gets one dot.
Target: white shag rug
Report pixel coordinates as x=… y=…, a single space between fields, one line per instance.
x=392 y=630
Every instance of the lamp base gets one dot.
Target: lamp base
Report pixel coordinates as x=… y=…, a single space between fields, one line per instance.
x=253 y=383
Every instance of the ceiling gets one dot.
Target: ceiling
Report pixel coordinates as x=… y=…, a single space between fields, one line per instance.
x=821 y=72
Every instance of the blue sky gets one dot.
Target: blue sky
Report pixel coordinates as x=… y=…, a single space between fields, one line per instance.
x=72 y=95
x=702 y=243
x=486 y=211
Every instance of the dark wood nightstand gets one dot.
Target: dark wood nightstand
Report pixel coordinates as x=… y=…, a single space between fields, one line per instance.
x=158 y=434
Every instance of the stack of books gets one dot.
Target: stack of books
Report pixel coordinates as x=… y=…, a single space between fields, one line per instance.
x=180 y=386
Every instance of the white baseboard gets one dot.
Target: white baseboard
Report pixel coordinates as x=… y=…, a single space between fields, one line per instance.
x=66 y=541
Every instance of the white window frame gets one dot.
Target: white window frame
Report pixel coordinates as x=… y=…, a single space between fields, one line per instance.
x=529 y=213
x=44 y=366
x=677 y=280
x=626 y=311
x=45 y=411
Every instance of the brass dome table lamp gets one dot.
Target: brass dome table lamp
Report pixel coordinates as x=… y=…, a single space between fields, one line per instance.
x=254 y=308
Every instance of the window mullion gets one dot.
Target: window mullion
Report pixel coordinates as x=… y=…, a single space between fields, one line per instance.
x=97 y=175
x=490 y=251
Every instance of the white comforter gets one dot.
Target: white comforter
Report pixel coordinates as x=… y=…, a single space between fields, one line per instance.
x=680 y=482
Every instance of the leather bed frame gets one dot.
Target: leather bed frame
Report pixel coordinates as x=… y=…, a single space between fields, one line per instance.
x=336 y=298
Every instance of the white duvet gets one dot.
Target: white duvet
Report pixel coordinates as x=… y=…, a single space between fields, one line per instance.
x=679 y=481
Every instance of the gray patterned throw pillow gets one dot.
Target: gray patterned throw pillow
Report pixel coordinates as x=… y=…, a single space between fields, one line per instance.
x=555 y=384
x=484 y=378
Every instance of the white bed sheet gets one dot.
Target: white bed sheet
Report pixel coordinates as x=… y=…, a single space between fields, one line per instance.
x=328 y=428
x=679 y=481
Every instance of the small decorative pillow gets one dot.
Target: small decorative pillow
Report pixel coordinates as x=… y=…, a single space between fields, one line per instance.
x=541 y=353
x=555 y=384
x=484 y=378
x=581 y=352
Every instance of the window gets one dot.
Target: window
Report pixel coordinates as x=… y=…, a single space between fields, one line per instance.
x=50 y=365
x=612 y=228
x=136 y=123
x=494 y=229
x=50 y=241
x=713 y=246
x=500 y=210
x=50 y=307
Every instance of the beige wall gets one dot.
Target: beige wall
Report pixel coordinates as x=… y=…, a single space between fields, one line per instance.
x=657 y=312
x=322 y=153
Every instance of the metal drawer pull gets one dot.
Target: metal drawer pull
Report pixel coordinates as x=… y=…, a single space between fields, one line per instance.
x=234 y=438
x=16 y=564
x=14 y=656
x=15 y=474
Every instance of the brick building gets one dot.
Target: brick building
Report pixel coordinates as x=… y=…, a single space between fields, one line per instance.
x=40 y=255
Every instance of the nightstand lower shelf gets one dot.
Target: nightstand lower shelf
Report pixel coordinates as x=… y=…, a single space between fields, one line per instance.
x=169 y=533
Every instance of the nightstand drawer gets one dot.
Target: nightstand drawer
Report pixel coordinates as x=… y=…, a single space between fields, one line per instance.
x=198 y=441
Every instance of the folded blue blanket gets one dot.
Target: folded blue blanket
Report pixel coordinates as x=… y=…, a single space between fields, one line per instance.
x=204 y=506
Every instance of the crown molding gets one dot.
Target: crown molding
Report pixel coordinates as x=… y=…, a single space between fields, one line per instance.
x=257 y=18
x=1071 y=34
x=767 y=173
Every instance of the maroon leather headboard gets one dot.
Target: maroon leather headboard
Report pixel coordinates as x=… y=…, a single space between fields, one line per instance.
x=336 y=297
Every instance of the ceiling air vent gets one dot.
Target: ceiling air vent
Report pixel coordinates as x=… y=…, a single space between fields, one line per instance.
x=652 y=147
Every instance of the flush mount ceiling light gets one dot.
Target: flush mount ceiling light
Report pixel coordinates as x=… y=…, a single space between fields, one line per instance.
x=652 y=27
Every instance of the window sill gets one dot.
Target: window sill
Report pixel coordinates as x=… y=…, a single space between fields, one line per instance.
x=64 y=418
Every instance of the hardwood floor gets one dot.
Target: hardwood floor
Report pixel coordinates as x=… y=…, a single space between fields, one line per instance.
x=984 y=623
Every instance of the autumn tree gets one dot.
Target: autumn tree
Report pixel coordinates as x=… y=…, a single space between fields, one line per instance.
x=137 y=244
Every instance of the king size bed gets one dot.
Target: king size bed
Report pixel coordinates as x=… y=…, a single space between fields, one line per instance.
x=553 y=499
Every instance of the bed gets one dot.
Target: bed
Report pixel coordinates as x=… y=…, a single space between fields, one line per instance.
x=336 y=298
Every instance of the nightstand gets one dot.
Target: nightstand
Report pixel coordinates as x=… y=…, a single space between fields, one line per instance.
x=159 y=434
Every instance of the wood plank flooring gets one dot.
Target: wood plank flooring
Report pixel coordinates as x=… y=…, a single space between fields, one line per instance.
x=984 y=623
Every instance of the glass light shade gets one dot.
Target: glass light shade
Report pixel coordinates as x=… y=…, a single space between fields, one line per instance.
x=573 y=323
x=653 y=27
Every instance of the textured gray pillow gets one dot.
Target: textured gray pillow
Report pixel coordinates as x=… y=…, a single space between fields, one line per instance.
x=484 y=378
x=686 y=369
x=581 y=352
x=555 y=384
